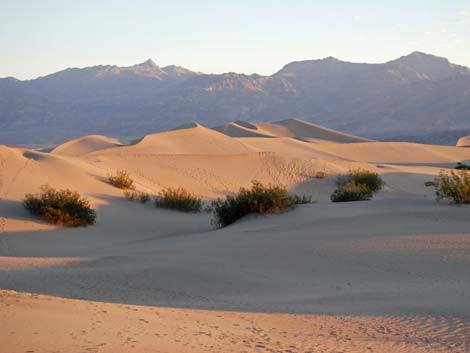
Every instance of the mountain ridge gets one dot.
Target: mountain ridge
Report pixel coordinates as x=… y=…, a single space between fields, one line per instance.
x=414 y=94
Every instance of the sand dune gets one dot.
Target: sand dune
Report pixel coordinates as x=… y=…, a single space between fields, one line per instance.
x=84 y=145
x=192 y=139
x=464 y=142
x=395 y=152
x=388 y=275
x=241 y=129
x=290 y=128
x=306 y=131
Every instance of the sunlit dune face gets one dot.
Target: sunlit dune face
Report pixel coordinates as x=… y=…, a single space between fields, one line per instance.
x=9 y=263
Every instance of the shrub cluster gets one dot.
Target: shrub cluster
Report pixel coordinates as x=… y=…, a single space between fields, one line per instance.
x=365 y=177
x=320 y=175
x=351 y=192
x=178 y=199
x=121 y=180
x=134 y=195
x=357 y=185
x=259 y=199
x=453 y=185
x=63 y=207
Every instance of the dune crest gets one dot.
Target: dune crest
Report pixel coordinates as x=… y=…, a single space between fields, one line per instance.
x=85 y=144
x=240 y=129
x=188 y=139
x=306 y=131
x=464 y=141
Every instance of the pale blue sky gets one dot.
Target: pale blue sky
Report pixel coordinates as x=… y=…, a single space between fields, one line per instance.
x=38 y=37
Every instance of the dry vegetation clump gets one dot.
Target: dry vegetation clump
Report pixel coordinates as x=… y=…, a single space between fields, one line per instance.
x=372 y=180
x=259 y=199
x=351 y=192
x=357 y=185
x=320 y=175
x=452 y=185
x=178 y=199
x=64 y=207
x=134 y=195
x=121 y=180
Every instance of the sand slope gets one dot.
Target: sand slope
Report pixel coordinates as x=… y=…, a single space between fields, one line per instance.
x=74 y=325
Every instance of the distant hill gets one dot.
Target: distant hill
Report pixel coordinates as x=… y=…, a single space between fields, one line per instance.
x=415 y=95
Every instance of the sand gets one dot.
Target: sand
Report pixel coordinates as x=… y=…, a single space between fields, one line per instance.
x=387 y=275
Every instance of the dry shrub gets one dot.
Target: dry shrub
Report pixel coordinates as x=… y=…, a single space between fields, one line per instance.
x=64 y=207
x=134 y=195
x=178 y=199
x=259 y=199
x=351 y=192
x=121 y=180
x=357 y=185
x=453 y=186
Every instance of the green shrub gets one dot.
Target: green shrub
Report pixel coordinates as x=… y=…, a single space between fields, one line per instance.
x=63 y=207
x=462 y=166
x=363 y=177
x=351 y=192
x=453 y=185
x=259 y=199
x=134 y=195
x=178 y=199
x=121 y=180
x=357 y=185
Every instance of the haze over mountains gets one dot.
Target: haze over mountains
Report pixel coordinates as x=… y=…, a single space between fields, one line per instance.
x=416 y=95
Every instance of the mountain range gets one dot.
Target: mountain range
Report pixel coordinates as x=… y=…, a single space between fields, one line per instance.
x=418 y=95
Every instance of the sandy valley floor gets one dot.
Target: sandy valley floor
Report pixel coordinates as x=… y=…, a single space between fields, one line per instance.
x=387 y=275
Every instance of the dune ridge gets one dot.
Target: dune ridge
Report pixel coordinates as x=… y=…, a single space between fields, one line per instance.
x=84 y=145
x=464 y=141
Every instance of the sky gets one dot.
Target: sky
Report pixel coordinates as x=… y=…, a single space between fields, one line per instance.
x=38 y=37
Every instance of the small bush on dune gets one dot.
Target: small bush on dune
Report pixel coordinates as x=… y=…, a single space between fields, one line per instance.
x=178 y=199
x=357 y=185
x=121 y=180
x=259 y=199
x=134 y=195
x=63 y=207
x=453 y=185
x=364 y=177
x=320 y=175
x=351 y=192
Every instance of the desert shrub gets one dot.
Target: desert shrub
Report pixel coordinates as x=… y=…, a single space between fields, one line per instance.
x=357 y=185
x=363 y=177
x=453 y=185
x=63 y=207
x=320 y=175
x=121 y=180
x=462 y=166
x=351 y=192
x=134 y=195
x=179 y=199
x=259 y=199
